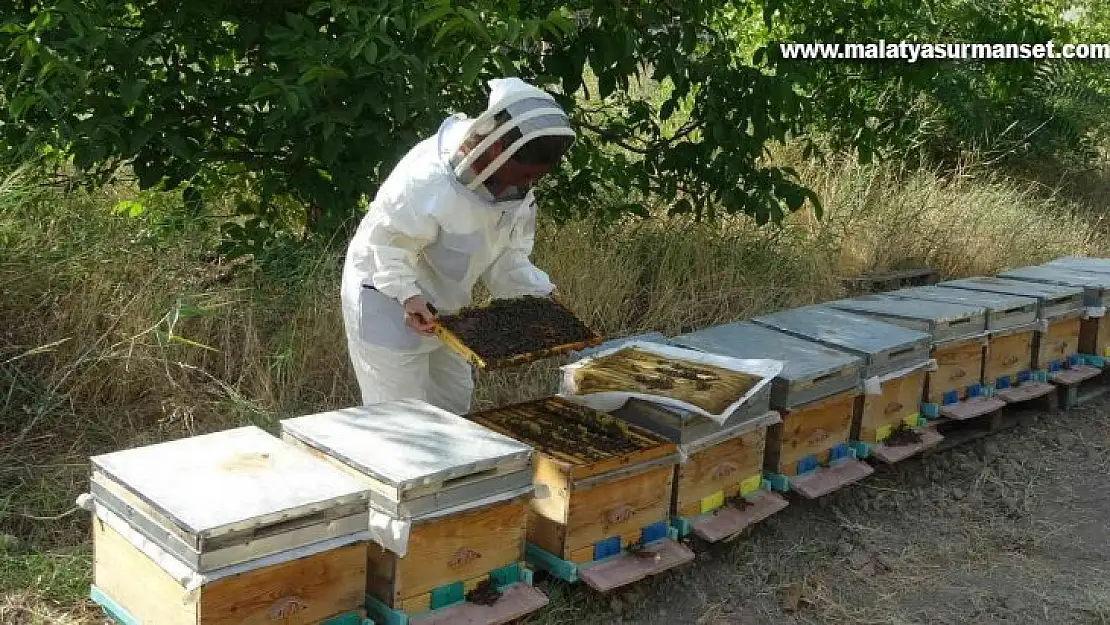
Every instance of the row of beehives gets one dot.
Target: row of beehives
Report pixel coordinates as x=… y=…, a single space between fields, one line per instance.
x=406 y=513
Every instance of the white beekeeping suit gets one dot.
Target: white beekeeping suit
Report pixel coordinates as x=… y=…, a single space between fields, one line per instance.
x=434 y=230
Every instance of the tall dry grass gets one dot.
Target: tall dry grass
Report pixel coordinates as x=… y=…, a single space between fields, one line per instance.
x=117 y=334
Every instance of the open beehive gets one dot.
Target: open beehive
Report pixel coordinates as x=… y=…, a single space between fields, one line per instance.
x=603 y=492
x=458 y=491
x=634 y=370
x=893 y=369
x=718 y=485
x=958 y=336
x=1094 y=332
x=230 y=527
x=817 y=395
x=516 y=331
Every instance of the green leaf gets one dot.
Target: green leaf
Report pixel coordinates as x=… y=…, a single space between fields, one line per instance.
x=434 y=15
x=263 y=90
x=321 y=72
x=471 y=66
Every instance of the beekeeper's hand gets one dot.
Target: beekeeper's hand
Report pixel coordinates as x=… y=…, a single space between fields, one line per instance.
x=418 y=317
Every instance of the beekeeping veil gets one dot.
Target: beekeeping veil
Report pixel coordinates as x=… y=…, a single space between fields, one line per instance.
x=532 y=111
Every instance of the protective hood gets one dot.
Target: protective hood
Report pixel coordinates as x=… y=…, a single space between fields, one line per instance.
x=534 y=112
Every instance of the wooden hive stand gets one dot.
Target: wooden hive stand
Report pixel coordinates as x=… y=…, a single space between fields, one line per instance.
x=459 y=492
x=890 y=366
x=229 y=527
x=600 y=514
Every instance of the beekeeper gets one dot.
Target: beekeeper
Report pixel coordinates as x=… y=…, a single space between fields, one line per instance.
x=459 y=207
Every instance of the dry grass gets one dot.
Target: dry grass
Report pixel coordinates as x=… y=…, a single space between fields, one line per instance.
x=105 y=315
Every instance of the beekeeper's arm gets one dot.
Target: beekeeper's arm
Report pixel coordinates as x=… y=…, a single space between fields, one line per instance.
x=405 y=225
x=512 y=274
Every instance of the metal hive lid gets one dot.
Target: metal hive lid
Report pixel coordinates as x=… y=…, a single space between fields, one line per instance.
x=855 y=333
x=1039 y=290
x=802 y=359
x=925 y=310
x=1082 y=263
x=211 y=481
x=993 y=302
x=406 y=442
x=1060 y=275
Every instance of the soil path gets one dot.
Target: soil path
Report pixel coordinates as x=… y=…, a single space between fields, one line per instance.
x=1014 y=528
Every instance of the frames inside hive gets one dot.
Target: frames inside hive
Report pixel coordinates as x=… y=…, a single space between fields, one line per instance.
x=630 y=369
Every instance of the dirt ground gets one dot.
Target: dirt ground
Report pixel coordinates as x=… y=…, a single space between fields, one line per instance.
x=1008 y=529
x=1012 y=528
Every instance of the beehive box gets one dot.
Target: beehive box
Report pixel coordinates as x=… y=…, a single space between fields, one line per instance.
x=1007 y=362
x=603 y=492
x=1060 y=309
x=1094 y=333
x=233 y=526
x=1058 y=312
x=893 y=368
x=815 y=393
x=458 y=491
x=959 y=337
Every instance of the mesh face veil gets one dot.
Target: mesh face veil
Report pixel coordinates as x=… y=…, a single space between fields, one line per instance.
x=532 y=111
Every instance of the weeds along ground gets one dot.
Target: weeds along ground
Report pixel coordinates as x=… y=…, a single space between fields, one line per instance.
x=121 y=331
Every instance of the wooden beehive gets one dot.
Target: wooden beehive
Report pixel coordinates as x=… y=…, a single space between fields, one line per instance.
x=233 y=526
x=958 y=345
x=893 y=356
x=717 y=470
x=462 y=489
x=1094 y=332
x=603 y=488
x=1059 y=308
x=1011 y=323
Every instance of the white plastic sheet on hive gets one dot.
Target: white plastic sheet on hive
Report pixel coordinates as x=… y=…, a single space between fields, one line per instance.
x=609 y=401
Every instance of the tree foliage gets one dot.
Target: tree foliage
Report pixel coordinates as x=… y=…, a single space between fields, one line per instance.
x=308 y=103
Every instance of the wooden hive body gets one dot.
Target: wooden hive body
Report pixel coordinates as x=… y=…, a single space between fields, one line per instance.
x=1094 y=337
x=1011 y=326
x=886 y=348
x=462 y=489
x=603 y=486
x=264 y=530
x=1059 y=310
x=959 y=337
